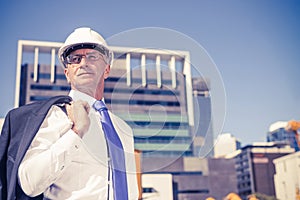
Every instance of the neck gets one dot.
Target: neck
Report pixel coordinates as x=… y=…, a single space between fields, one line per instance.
x=97 y=94
x=95 y=91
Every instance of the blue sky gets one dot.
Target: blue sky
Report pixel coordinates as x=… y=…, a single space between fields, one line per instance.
x=254 y=44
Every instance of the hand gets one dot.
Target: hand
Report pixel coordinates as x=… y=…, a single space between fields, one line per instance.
x=78 y=113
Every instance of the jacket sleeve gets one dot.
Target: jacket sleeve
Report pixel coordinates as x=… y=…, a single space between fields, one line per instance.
x=4 y=141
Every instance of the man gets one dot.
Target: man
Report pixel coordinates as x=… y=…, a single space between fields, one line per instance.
x=68 y=157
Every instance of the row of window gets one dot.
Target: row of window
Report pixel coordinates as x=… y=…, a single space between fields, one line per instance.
x=166 y=153
x=110 y=90
x=118 y=101
x=138 y=80
x=51 y=87
x=162 y=125
x=109 y=79
x=162 y=140
x=48 y=76
x=142 y=91
x=142 y=102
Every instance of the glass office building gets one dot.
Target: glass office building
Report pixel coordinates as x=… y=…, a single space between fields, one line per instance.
x=151 y=89
x=255 y=168
x=277 y=133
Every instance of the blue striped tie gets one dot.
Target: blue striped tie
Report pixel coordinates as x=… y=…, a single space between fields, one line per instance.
x=116 y=153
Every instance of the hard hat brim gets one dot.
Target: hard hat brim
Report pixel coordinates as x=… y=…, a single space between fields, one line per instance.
x=103 y=50
x=66 y=50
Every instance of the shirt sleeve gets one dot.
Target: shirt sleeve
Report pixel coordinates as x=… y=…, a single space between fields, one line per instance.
x=51 y=151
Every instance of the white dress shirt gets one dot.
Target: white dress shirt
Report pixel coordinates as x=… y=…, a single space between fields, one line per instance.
x=63 y=166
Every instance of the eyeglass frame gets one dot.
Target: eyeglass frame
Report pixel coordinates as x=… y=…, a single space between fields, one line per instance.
x=87 y=57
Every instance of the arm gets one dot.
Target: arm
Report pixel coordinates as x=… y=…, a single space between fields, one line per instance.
x=4 y=140
x=49 y=154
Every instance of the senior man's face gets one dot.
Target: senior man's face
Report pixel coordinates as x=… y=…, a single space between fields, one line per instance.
x=87 y=70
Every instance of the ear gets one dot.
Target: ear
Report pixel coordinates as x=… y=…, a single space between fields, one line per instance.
x=106 y=72
x=66 y=71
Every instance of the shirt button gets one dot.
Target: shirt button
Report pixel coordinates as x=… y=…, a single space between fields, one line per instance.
x=76 y=146
x=62 y=167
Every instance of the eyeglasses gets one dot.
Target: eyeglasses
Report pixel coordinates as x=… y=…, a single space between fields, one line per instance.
x=76 y=59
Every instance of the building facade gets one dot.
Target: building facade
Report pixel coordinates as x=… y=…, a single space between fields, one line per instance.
x=287 y=177
x=278 y=133
x=202 y=131
x=255 y=168
x=151 y=89
x=226 y=144
x=193 y=178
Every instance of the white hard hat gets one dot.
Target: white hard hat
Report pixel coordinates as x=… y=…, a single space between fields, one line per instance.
x=84 y=38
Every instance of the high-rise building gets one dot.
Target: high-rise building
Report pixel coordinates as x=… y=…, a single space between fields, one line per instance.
x=278 y=133
x=202 y=130
x=225 y=144
x=151 y=89
x=154 y=92
x=255 y=168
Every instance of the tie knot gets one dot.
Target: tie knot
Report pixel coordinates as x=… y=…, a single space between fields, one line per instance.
x=99 y=106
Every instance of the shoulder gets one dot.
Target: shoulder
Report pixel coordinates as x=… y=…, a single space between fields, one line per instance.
x=40 y=107
x=25 y=110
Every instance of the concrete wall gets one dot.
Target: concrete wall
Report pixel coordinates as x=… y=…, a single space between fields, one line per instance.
x=287 y=176
x=196 y=178
x=160 y=185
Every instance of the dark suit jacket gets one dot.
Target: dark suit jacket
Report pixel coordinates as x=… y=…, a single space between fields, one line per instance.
x=19 y=128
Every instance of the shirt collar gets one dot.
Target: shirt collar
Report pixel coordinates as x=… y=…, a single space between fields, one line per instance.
x=77 y=95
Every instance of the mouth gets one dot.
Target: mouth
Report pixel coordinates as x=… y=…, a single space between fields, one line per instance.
x=84 y=74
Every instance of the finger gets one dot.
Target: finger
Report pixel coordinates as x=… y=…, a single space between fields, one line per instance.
x=69 y=109
x=86 y=106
